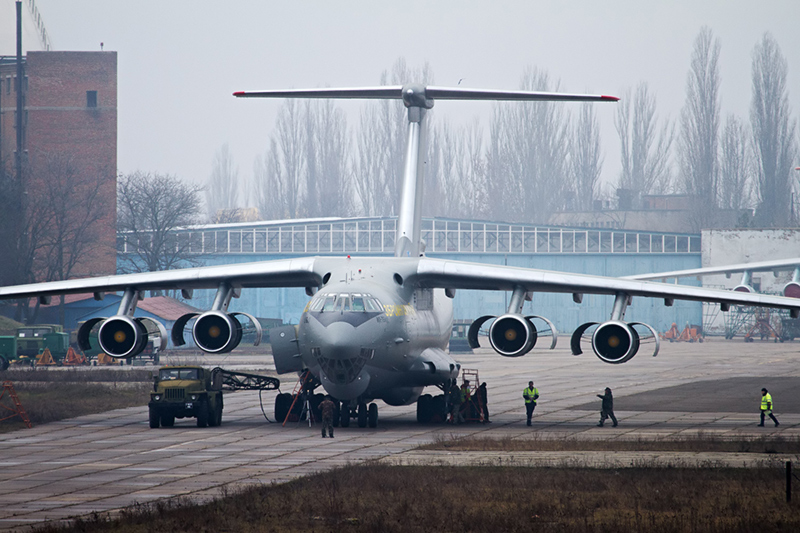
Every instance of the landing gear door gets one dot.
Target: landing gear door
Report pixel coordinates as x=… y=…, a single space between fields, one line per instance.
x=286 y=349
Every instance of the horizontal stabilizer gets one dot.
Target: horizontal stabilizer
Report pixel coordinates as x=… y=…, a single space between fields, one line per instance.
x=430 y=93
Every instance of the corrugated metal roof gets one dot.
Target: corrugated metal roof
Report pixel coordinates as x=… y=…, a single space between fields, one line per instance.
x=166 y=307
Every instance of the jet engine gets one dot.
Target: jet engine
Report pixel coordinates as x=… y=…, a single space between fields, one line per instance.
x=615 y=341
x=512 y=335
x=214 y=331
x=121 y=336
x=792 y=290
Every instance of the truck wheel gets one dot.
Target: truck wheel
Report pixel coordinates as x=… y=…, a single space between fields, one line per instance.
x=202 y=415
x=155 y=419
x=167 y=421
x=218 y=414
x=212 y=417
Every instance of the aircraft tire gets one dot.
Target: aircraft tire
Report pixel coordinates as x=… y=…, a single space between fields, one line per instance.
x=372 y=415
x=344 y=416
x=167 y=421
x=362 y=415
x=424 y=411
x=155 y=419
x=202 y=415
x=438 y=414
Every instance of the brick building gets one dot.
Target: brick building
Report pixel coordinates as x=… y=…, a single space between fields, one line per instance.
x=69 y=146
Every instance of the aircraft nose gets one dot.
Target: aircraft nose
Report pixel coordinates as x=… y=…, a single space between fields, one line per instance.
x=341 y=356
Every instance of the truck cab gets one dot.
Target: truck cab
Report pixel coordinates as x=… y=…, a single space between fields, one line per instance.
x=185 y=392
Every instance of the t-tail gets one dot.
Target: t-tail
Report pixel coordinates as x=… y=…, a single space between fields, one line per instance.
x=418 y=99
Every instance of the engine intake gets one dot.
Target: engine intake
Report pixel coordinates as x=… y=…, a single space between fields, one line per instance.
x=615 y=342
x=512 y=335
x=217 y=332
x=122 y=336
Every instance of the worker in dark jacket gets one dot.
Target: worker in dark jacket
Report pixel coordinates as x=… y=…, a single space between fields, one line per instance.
x=483 y=403
x=607 y=410
x=455 y=404
x=327 y=407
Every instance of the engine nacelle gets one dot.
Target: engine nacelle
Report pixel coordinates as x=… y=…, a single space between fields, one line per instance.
x=122 y=336
x=615 y=342
x=217 y=332
x=512 y=335
x=792 y=290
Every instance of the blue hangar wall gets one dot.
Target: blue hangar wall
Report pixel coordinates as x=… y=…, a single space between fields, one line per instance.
x=288 y=304
x=599 y=251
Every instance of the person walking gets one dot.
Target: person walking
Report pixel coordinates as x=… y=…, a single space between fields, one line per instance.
x=455 y=404
x=483 y=402
x=766 y=408
x=327 y=407
x=607 y=409
x=531 y=394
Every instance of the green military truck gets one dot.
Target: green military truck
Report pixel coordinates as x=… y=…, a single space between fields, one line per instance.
x=30 y=339
x=196 y=392
x=8 y=351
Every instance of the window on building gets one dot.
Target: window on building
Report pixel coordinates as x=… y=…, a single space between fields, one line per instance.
x=91 y=98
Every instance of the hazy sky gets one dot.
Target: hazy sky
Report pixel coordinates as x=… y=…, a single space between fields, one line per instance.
x=179 y=61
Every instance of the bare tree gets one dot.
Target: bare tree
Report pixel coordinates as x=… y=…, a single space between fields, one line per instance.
x=222 y=192
x=773 y=132
x=380 y=144
x=645 y=150
x=150 y=207
x=736 y=166
x=585 y=159
x=699 y=140
x=327 y=143
x=457 y=173
x=526 y=162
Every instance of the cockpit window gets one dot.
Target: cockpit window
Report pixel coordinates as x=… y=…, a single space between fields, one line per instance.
x=329 y=301
x=357 y=303
x=316 y=304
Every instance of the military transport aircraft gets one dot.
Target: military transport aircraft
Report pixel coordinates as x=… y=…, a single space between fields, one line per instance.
x=377 y=327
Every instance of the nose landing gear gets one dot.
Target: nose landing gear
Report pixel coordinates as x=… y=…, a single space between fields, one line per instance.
x=365 y=415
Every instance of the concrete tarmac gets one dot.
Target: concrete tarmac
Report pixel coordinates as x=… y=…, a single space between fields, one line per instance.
x=105 y=462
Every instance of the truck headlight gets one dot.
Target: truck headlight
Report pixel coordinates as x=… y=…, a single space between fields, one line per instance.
x=194 y=397
x=157 y=397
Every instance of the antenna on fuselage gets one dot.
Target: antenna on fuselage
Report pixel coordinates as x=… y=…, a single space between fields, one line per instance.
x=418 y=99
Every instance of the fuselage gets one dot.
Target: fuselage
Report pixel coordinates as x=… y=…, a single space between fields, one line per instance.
x=369 y=333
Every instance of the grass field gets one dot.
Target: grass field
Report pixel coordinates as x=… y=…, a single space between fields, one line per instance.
x=48 y=395
x=375 y=498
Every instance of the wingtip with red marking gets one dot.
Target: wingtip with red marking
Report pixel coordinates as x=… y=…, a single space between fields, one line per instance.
x=238 y=93
x=609 y=98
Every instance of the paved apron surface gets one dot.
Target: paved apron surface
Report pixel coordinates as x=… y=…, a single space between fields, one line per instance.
x=112 y=460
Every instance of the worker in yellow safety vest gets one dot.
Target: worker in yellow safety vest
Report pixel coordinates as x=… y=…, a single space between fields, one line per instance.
x=766 y=408
x=531 y=394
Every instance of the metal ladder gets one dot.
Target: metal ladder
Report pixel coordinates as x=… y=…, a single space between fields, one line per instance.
x=18 y=410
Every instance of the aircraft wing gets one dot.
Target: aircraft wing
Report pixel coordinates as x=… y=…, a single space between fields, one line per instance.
x=280 y=273
x=777 y=265
x=463 y=275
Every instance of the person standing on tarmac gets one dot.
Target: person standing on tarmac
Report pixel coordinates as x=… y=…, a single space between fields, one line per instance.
x=531 y=394
x=455 y=404
x=766 y=408
x=607 y=410
x=327 y=407
x=483 y=403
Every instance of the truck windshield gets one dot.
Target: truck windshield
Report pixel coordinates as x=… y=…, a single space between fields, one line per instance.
x=171 y=374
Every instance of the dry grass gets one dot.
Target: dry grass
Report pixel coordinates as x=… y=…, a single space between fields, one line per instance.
x=77 y=375
x=700 y=443
x=376 y=498
x=57 y=401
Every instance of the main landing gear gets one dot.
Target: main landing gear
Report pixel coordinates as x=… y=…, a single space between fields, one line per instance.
x=366 y=415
